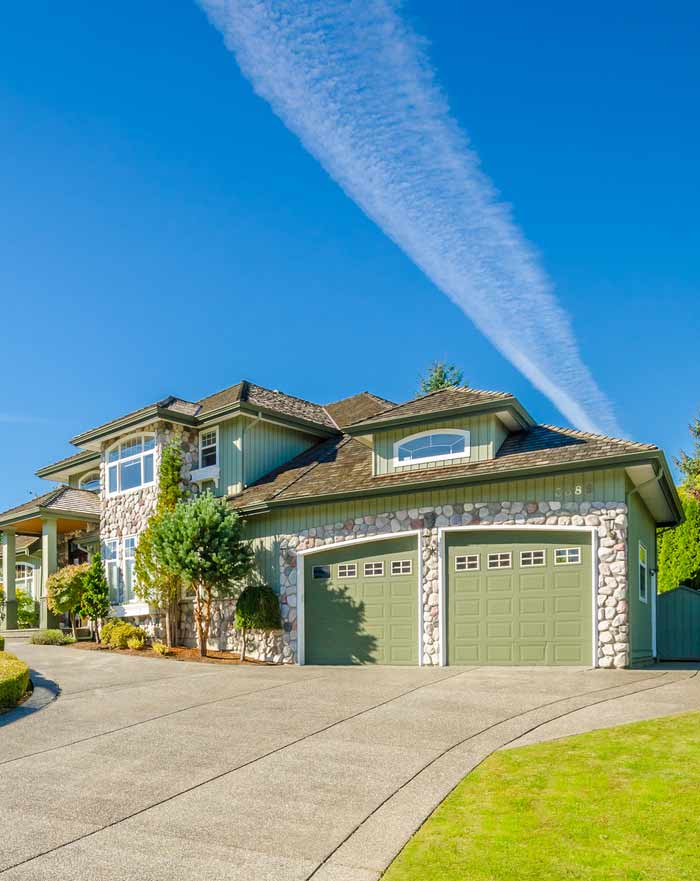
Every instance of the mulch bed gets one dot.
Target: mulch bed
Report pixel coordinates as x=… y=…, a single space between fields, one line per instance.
x=178 y=653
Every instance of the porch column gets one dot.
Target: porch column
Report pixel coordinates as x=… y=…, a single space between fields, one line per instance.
x=49 y=564
x=9 y=561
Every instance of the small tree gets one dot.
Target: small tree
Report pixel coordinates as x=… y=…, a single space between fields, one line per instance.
x=439 y=376
x=94 y=603
x=66 y=587
x=257 y=608
x=689 y=464
x=201 y=541
x=155 y=583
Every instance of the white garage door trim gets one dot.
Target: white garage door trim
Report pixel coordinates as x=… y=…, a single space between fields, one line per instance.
x=490 y=527
x=334 y=545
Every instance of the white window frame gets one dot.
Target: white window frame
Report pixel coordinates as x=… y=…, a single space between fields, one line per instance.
x=468 y=558
x=321 y=577
x=566 y=552
x=215 y=430
x=444 y=457
x=499 y=565
x=26 y=580
x=643 y=564
x=127 y=598
x=401 y=564
x=373 y=563
x=112 y=565
x=350 y=570
x=533 y=565
x=118 y=462
x=90 y=476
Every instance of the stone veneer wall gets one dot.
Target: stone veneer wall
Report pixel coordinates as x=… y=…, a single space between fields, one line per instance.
x=608 y=518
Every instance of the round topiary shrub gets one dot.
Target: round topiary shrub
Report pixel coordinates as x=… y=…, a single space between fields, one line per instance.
x=14 y=679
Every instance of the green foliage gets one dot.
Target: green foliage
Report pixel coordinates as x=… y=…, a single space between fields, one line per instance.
x=689 y=463
x=679 y=548
x=136 y=642
x=2 y=643
x=94 y=603
x=170 y=488
x=27 y=614
x=440 y=375
x=65 y=588
x=117 y=632
x=258 y=608
x=14 y=679
x=160 y=648
x=51 y=637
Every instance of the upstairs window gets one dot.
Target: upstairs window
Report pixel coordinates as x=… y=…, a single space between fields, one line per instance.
x=90 y=481
x=438 y=445
x=130 y=464
x=208 y=447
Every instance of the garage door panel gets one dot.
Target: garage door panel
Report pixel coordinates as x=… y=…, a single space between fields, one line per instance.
x=535 y=612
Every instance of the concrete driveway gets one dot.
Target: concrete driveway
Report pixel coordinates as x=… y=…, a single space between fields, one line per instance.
x=152 y=769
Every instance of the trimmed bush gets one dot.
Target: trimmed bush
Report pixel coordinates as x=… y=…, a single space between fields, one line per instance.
x=2 y=643
x=116 y=634
x=14 y=679
x=136 y=641
x=257 y=608
x=51 y=637
x=161 y=649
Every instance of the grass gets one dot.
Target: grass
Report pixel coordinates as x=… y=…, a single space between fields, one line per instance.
x=621 y=804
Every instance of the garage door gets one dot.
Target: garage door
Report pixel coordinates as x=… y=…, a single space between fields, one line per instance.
x=519 y=598
x=361 y=604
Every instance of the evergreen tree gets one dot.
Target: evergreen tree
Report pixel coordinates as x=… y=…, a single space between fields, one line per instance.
x=679 y=548
x=439 y=376
x=689 y=464
x=94 y=604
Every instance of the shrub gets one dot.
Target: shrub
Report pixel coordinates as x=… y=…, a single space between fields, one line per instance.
x=116 y=634
x=257 y=608
x=2 y=643
x=161 y=649
x=136 y=641
x=14 y=679
x=50 y=637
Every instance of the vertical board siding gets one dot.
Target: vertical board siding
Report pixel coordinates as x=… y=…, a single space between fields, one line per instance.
x=641 y=527
x=678 y=625
x=266 y=530
x=230 y=479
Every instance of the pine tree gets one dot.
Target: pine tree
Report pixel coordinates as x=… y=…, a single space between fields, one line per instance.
x=440 y=375
x=95 y=604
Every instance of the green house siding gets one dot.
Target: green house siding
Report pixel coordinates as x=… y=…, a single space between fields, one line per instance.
x=642 y=528
x=487 y=434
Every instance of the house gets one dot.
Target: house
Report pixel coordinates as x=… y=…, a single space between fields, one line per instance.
x=450 y=529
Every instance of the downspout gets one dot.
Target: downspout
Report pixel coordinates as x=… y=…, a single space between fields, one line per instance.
x=244 y=432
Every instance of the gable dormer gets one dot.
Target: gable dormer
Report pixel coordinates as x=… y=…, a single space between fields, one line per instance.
x=454 y=426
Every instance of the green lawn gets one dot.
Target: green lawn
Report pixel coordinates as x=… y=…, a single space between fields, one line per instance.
x=621 y=804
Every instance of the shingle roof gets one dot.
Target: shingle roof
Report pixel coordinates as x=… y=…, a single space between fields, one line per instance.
x=64 y=498
x=344 y=465
x=435 y=402
x=23 y=542
x=268 y=399
x=87 y=455
x=356 y=408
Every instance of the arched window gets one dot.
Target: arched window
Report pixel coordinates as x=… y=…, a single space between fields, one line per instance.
x=437 y=445
x=130 y=464
x=24 y=578
x=90 y=481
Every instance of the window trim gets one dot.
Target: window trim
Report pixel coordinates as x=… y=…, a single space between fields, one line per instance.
x=112 y=563
x=118 y=462
x=31 y=568
x=542 y=551
x=645 y=565
x=91 y=474
x=568 y=562
x=443 y=457
x=467 y=567
x=401 y=563
x=352 y=566
x=499 y=554
x=202 y=431
x=379 y=574
x=127 y=598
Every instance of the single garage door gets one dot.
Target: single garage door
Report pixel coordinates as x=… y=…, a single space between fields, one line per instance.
x=519 y=598
x=361 y=604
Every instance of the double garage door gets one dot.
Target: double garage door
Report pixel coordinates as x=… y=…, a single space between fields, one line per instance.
x=509 y=598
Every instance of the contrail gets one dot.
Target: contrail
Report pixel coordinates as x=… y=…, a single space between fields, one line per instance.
x=354 y=83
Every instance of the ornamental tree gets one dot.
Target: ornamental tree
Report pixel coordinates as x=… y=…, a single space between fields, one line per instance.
x=440 y=375
x=155 y=583
x=65 y=588
x=257 y=608
x=201 y=541
x=94 y=604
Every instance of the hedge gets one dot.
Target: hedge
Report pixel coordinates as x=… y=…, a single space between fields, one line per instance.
x=2 y=643
x=14 y=679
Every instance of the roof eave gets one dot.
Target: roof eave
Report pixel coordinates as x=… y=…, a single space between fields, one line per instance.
x=511 y=404
x=93 y=438
x=57 y=471
x=246 y=409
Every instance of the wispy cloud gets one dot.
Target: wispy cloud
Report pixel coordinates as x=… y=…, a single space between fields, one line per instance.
x=354 y=83
x=20 y=419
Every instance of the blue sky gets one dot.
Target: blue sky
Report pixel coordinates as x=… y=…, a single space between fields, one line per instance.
x=164 y=232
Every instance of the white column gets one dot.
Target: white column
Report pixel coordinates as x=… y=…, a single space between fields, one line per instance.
x=9 y=562
x=49 y=564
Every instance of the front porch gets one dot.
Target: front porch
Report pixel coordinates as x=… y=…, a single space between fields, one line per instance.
x=37 y=538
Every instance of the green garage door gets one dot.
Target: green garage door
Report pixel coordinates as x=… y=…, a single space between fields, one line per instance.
x=361 y=604
x=519 y=598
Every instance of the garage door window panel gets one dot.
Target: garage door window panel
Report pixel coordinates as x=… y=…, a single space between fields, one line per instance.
x=401 y=567
x=567 y=556
x=374 y=569
x=321 y=572
x=533 y=558
x=502 y=560
x=347 y=570
x=467 y=563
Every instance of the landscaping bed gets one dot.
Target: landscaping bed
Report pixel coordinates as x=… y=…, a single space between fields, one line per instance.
x=14 y=680
x=621 y=804
x=177 y=653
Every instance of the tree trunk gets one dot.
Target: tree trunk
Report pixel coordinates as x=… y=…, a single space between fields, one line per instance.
x=71 y=616
x=175 y=620
x=243 y=635
x=168 y=630
x=95 y=630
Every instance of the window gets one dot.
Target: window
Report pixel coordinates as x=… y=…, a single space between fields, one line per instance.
x=432 y=446
x=500 y=560
x=129 y=559
x=130 y=464
x=109 y=555
x=532 y=558
x=467 y=563
x=401 y=567
x=322 y=572
x=372 y=570
x=208 y=447
x=347 y=570
x=90 y=481
x=643 y=574
x=24 y=578
x=567 y=556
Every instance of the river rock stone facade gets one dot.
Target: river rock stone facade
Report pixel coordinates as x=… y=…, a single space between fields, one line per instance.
x=608 y=519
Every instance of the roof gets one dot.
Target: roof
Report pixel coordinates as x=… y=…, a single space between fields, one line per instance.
x=24 y=543
x=343 y=466
x=64 y=498
x=253 y=395
x=356 y=408
x=82 y=457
